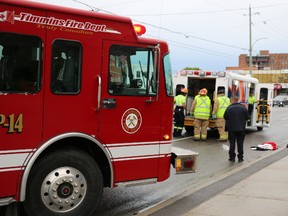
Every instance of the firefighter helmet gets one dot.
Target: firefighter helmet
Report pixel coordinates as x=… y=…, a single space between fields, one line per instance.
x=184 y=90
x=203 y=91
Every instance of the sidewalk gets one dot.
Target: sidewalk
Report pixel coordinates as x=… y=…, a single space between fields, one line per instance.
x=260 y=193
x=264 y=193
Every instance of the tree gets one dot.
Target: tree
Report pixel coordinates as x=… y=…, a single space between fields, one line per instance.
x=191 y=68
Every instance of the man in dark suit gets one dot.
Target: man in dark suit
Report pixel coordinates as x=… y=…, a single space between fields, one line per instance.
x=236 y=116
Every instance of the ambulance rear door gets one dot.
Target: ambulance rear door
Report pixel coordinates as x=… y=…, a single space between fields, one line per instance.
x=264 y=94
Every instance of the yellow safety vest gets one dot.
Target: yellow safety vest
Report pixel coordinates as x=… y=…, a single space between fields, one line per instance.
x=251 y=100
x=202 y=108
x=179 y=100
x=223 y=103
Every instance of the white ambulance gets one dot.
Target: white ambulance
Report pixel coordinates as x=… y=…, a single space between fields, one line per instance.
x=233 y=84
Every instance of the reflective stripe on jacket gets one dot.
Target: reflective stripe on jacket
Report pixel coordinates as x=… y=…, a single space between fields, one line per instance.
x=202 y=108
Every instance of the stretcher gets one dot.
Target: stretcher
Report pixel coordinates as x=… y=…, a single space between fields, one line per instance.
x=263 y=112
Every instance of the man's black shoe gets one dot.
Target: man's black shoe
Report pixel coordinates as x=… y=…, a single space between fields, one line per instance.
x=231 y=159
x=240 y=160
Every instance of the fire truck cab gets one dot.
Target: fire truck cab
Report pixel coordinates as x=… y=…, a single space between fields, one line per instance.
x=232 y=84
x=85 y=104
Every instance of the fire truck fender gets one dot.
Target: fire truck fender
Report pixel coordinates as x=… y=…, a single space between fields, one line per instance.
x=49 y=143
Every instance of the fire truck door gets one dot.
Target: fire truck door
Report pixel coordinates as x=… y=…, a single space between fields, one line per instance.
x=130 y=110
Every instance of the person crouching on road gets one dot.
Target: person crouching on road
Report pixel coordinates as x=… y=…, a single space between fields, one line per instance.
x=180 y=102
x=200 y=110
x=220 y=105
x=236 y=116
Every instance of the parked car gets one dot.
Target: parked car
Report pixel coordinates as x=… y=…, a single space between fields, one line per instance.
x=280 y=100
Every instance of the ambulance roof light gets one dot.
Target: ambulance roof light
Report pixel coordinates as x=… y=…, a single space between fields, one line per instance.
x=202 y=73
x=221 y=74
x=139 y=29
x=189 y=72
x=183 y=72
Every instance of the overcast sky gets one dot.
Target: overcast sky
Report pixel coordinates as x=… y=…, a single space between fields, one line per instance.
x=209 y=34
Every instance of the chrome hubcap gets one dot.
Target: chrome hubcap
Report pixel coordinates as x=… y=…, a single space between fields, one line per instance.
x=63 y=189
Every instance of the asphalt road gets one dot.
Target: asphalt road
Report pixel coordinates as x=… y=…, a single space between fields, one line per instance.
x=212 y=163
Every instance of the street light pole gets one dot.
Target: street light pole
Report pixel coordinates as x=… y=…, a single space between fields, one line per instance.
x=258 y=40
x=250 y=42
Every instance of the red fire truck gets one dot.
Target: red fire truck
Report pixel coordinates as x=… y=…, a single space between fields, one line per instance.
x=85 y=104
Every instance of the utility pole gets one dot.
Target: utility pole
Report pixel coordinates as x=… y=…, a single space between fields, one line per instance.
x=250 y=42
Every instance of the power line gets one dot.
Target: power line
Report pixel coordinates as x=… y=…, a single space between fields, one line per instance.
x=190 y=13
x=181 y=33
x=186 y=35
x=274 y=29
x=166 y=29
x=207 y=12
x=190 y=36
x=202 y=50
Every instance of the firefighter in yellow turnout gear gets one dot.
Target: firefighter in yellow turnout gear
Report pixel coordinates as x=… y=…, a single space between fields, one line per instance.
x=201 y=109
x=180 y=102
x=220 y=105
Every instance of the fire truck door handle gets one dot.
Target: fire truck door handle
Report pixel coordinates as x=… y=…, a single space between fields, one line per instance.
x=99 y=92
x=109 y=103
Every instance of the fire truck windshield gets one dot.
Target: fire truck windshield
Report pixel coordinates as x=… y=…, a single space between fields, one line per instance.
x=168 y=76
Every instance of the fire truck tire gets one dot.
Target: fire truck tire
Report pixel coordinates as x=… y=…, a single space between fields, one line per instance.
x=67 y=182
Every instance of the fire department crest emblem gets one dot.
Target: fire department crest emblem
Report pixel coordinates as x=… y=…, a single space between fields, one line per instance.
x=131 y=121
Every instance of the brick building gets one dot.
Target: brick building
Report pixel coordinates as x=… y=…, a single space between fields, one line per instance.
x=270 y=68
x=263 y=61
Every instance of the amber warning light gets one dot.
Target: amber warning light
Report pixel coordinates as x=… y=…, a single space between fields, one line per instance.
x=139 y=29
x=184 y=161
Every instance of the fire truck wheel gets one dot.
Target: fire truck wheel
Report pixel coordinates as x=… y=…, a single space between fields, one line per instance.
x=67 y=182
